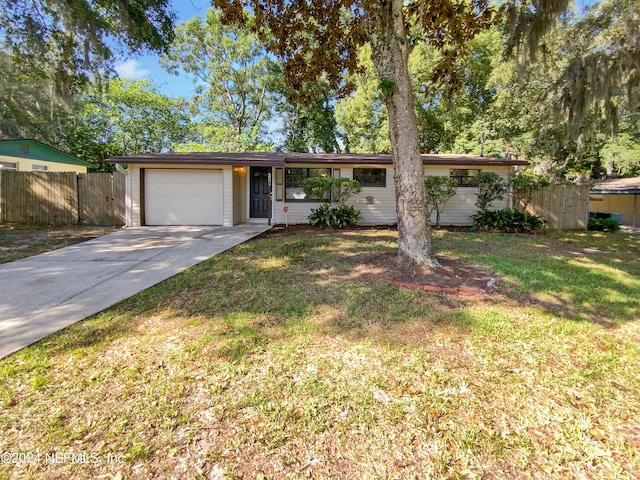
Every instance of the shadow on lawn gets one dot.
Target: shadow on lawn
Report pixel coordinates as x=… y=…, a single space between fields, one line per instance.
x=580 y=277
x=287 y=284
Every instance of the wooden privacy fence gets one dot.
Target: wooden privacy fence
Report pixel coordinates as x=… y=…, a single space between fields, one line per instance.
x=564 y=207
x=62 y=198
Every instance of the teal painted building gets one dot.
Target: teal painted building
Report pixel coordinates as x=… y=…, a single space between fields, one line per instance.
x=27 y=155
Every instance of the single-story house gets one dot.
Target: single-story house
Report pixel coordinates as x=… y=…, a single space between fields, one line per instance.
x=27 y=155
x=617 y=197
x=227 y=189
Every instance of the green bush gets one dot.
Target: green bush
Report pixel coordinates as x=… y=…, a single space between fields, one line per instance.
x=603 y=224
x=491 y=187
x=334 y=217
x=508 y=220
x=336 y=190
x=438 y=191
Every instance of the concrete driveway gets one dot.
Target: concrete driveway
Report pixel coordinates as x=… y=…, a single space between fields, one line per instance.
x=45 y=293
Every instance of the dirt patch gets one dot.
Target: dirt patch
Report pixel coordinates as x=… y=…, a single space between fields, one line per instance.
x=453 y=276
x=20 y=241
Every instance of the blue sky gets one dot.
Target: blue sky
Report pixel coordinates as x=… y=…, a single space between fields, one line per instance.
x=148 y=66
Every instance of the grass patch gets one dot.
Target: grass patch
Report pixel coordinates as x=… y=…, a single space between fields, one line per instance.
x=281 y=359
x=20 y=241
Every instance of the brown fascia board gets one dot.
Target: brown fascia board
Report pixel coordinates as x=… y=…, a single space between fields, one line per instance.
x=202 y=158
x=280 y=159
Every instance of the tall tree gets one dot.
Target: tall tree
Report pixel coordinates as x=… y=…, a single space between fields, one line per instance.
x=69 y=40
x=322 y=37
x=131 y=117
x=309 y=123
x=235 y=81
x=594 y=68
x=29 y=106
x=361 y=116
x=562 y=112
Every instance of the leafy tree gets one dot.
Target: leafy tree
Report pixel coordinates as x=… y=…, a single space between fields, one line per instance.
x=29 y=106
x=621 y=155
x=334 y=212
x=457 y=122
x=235 y=81
x=491 y=187
x=323 y=37
x=309 y=122
x=361 y=117
x=571 y=101
x=337 y=189
x=66 y=41
x=524 y=184
x=439 y=190
x=132 y=117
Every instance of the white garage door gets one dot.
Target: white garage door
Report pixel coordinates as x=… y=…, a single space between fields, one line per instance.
x=183 y=197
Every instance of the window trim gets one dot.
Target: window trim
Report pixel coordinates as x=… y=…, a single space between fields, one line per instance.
x=39 y=168
x=370 y=174
x=464 y=180
x=7 y=168
x=287 y=185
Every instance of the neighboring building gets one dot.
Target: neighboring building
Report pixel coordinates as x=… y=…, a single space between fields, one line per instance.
x=617 y=197
x=232 y=188
x=25 y=155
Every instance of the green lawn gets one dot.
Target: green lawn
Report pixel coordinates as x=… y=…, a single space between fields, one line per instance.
x=282 y=358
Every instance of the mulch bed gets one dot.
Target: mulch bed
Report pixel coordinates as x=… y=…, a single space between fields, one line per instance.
x=452 y=277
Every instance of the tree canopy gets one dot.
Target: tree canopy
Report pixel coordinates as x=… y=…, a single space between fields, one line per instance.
x=69 y=40
x=234 y=79
x=322 y=38
x=132 y=117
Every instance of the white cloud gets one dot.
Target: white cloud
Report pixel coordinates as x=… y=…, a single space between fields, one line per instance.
x=131 y=69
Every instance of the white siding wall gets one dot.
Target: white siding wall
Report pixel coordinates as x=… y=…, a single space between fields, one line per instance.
x=377 y=204
x=381 y=207
x=133 y=197
x=460 y=207
x=380 y=211
x=227 y=213
x=240 y=197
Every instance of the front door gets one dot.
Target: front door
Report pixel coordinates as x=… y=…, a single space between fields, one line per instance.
x=259 y=200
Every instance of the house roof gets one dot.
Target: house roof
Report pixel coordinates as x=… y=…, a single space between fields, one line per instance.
x=35 y=150
x=619 y=186
x=279 y=159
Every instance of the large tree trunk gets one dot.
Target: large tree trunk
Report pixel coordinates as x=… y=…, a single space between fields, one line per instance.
x=390 y=55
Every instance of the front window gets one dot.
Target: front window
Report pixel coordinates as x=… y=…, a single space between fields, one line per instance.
x=465 y=176
x=39 y=168
x=371 y=177
x=8 y=166
x=294 y=183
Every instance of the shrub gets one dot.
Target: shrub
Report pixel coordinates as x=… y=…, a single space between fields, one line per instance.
x=525 y=184
x=338 y=189
x=491 y=187
x=507 y=220
x=334 y=217
x=438 y=191
x=603 y=225
x=347 y=216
